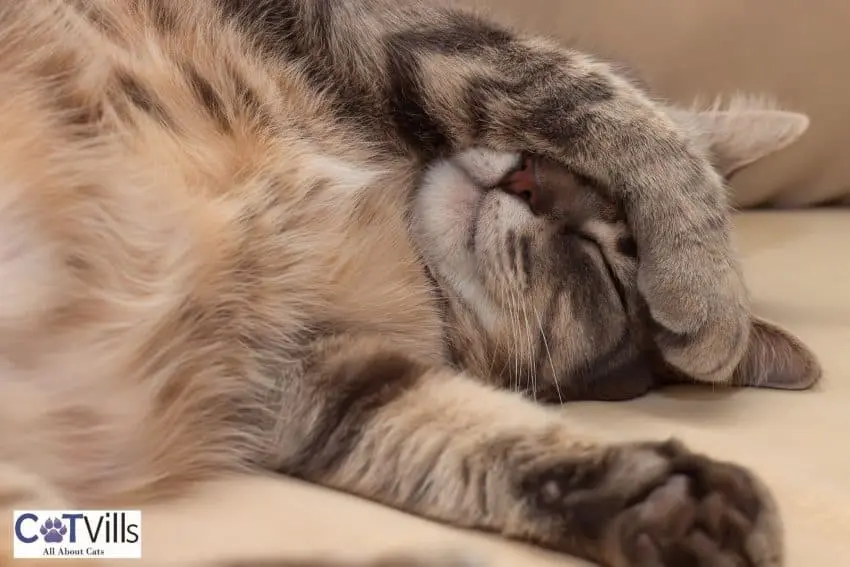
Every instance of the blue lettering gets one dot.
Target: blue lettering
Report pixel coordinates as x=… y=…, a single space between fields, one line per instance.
x=19 y=534
x=72 y=521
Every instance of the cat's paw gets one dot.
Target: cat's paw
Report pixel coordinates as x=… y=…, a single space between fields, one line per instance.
x=656 y=505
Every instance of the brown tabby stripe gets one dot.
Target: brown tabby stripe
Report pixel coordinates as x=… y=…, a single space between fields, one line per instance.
x=300 y=30
x=210 y=100
x=422 y=131
x=525 y=257
x=97 y=17
x=582 y=277
x=81 y=114
x=353 y=393
x=162 y=15
x=462 y=34
x=142 y=98
x=249 y=99
x=511 y=248
x=279 y=27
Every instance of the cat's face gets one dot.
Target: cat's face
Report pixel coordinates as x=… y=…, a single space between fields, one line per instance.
x=539 y=271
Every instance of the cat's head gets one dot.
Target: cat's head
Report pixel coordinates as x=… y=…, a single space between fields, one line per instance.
x=538 y=270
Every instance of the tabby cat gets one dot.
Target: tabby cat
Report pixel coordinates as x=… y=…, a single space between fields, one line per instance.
x=353 y=242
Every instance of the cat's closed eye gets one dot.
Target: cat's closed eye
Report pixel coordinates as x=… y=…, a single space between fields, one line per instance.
x=544 y=284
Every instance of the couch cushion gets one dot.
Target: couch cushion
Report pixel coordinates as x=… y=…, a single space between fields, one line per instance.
x=689 y=49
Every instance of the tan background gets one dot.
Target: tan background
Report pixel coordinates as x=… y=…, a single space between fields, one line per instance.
x=797 y=50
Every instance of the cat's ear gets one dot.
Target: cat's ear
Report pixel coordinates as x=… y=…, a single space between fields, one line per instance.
x=776 y=359
x=745 y=130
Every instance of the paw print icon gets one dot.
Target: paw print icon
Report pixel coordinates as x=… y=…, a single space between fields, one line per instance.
x=53 y=530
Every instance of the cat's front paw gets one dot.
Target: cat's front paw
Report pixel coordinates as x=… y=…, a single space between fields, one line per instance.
x=656 y=505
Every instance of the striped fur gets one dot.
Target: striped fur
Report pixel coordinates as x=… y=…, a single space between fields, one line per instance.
x=228 y=242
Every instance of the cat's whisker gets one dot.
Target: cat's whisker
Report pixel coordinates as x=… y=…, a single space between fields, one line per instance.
x=549 y=356
x=530 y=338
x=513 y=347
x=515 y=381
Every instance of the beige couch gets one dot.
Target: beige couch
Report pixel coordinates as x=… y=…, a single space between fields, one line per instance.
x=797 y=263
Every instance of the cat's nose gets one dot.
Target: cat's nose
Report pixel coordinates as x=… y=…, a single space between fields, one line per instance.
x=523 y=183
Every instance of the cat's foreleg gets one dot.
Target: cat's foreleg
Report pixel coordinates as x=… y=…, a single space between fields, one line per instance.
x=379 y=424
x=20 y=490
x=508 y=92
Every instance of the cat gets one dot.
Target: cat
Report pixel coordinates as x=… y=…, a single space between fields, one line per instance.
x=311 y=237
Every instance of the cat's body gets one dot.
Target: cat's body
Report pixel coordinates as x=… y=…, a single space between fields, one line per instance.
x=220 y=250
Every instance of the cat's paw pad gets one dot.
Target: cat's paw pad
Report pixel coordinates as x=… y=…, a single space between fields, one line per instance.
x=659 y=505
x=53 y=530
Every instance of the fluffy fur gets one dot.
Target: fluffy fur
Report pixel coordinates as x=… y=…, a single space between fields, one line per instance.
x=294 y=235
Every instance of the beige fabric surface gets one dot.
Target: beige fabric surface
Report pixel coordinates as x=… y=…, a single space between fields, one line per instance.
x=794 y=49
x=798 y=266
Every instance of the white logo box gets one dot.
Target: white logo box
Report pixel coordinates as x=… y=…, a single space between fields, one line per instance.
x=77 y=534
